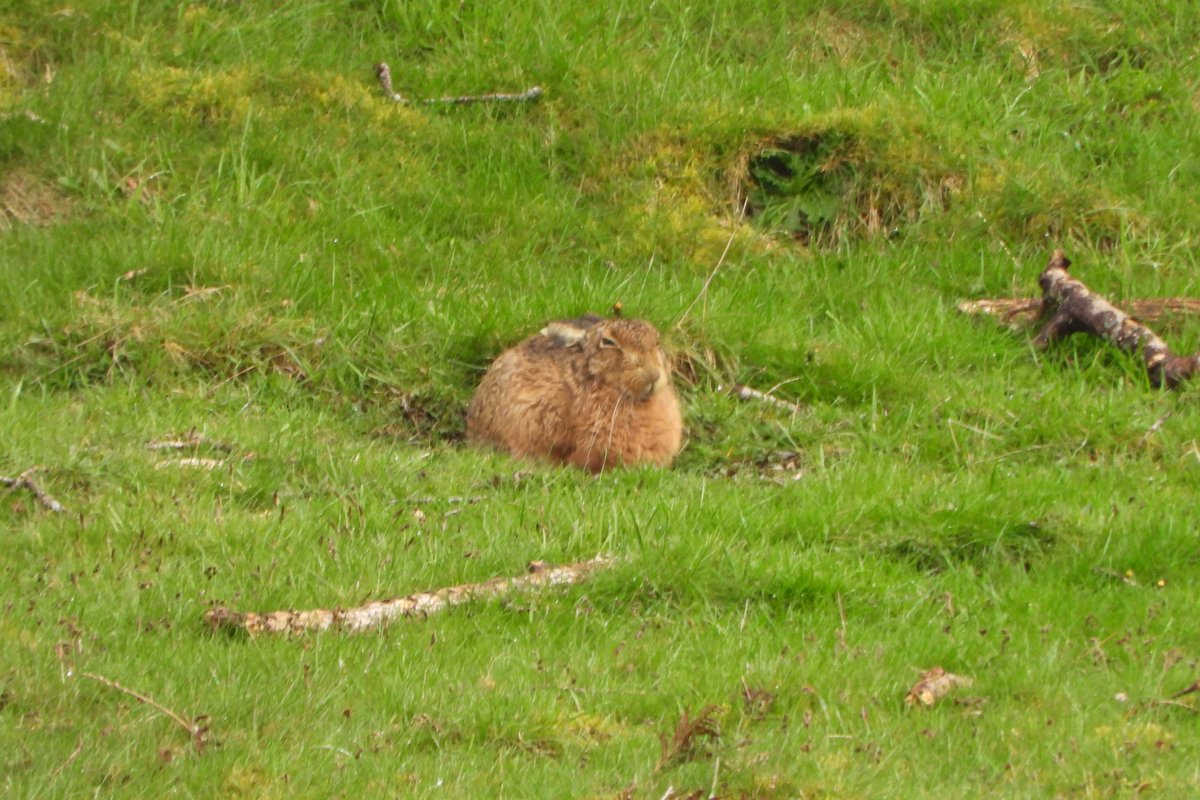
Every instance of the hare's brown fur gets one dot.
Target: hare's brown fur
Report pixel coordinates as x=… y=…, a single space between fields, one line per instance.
x=591 y=392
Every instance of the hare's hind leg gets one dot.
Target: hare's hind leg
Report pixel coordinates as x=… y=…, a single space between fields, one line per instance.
x=523 y=419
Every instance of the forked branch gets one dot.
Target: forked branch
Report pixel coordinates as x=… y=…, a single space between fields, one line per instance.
x=1070 y=307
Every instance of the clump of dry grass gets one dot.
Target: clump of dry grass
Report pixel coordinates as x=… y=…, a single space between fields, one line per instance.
x=26 y=199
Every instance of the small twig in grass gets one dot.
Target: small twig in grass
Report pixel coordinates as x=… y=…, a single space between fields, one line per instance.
x=25 y=481
x=1177 y=704
x=71 y=758
x=1158 y=423
x=198 y=729
x=244 y=370
x=198 y=294
x=384 y=73
x=973 y=429
x=1195 y=687
x=744 y=392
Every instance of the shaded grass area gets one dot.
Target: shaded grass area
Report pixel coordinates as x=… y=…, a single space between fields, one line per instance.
x=212 y=221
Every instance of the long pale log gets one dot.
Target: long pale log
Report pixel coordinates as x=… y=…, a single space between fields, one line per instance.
x=420 y=604
x=1070 y=307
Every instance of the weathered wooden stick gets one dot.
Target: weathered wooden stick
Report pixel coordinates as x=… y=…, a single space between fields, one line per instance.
x=1072 y=308
x=420 y=604
x=384 y=73
x=25 y=481
x=1020 y=312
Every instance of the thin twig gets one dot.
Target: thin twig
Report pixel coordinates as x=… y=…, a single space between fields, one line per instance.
x=194 y=729
x=1158 y=423
x=744 y=392
x=384 y=73
x=1177 y=704
x=25 y=481
x=74 y=755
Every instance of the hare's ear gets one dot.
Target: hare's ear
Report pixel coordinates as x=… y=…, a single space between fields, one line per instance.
x=564 y=333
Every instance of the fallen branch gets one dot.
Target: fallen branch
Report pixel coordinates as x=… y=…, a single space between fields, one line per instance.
x=25 y=481
x=1022 y=312
x=198 y=729
x=744 y=392
x=1072 y=308
x=420 y=604
x=384 y=73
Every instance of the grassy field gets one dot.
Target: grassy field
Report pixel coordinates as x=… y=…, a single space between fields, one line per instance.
x=212 y=220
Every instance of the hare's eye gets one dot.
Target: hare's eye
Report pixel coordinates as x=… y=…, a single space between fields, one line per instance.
x=606 y=341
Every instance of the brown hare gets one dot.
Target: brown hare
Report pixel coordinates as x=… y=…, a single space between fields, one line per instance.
x=591 y=392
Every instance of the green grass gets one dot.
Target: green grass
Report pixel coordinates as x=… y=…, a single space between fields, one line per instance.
x=319 y=277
